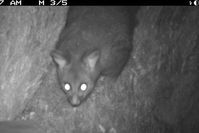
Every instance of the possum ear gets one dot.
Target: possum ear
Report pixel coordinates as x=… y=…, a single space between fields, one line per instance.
x=58 y=59
x=91 y=59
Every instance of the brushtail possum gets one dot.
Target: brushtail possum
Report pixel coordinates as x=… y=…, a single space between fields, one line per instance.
x=96 y=41
x=20 y=127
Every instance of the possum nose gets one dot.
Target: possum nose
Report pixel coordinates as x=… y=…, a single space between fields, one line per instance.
x=75 y=101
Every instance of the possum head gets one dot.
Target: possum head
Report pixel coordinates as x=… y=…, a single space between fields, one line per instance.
x=77 y=76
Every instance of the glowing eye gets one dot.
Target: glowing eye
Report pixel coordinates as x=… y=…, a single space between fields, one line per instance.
x=83 y=87
x=67 y=86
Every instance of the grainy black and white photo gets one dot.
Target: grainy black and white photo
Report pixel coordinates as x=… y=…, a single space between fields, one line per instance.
x=99 y=69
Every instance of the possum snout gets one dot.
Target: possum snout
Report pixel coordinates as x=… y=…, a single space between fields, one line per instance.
x=74 y=100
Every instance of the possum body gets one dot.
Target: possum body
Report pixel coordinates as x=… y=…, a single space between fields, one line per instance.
x=96 y=41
